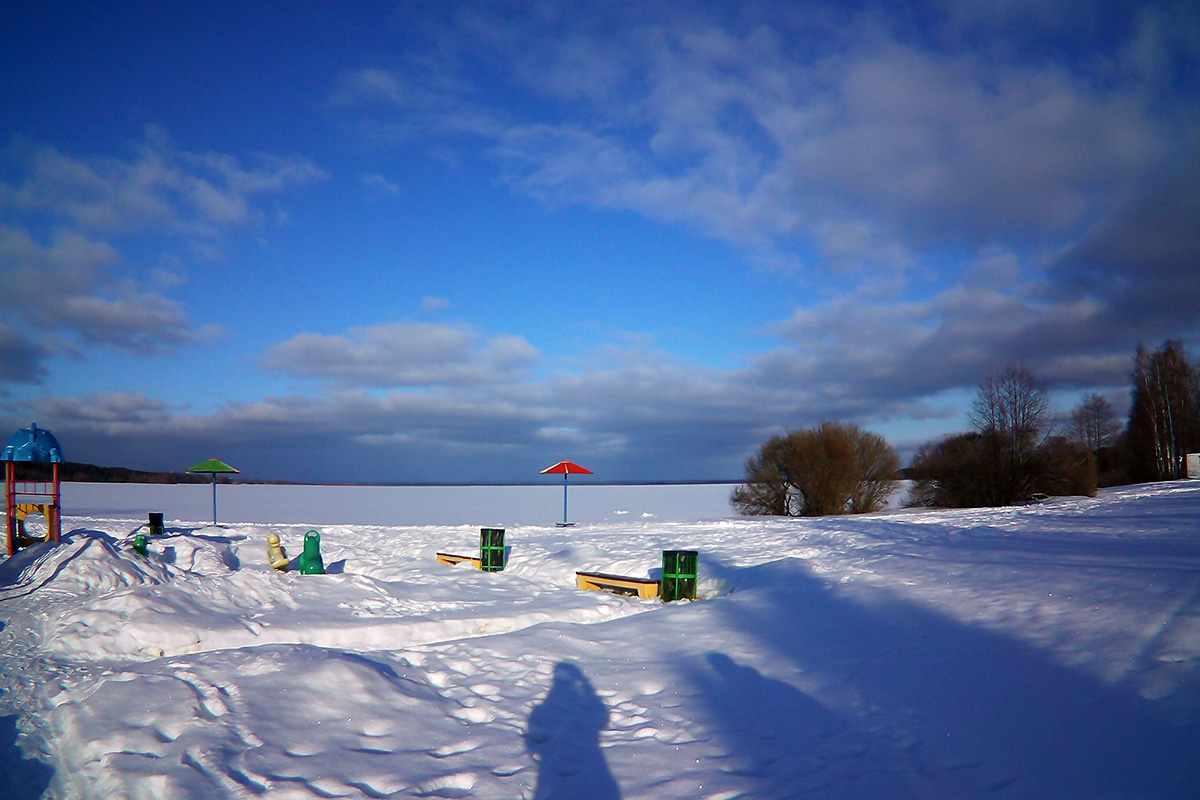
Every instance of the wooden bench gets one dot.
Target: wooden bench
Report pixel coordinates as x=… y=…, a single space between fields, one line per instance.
x=618 y=584
x=450 y=558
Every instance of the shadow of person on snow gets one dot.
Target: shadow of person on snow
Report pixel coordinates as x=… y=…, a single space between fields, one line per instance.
x=564 y=738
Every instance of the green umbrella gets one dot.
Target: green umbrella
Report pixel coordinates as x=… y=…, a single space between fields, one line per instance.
x=213 y=466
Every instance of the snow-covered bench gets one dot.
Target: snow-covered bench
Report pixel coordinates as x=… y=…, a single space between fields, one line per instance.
x=450 y=558
x=619 y=584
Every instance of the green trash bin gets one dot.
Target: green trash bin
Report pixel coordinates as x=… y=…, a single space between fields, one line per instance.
x=491 y=549
x=156 y=523
x=679 y=575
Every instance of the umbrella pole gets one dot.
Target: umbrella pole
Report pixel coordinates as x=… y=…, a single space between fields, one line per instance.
x=564 y=498
x=214 y=477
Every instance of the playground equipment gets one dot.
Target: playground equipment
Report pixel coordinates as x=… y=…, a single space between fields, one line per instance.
x=276 y=555
x=25 y=497
x=212 y=466
x=139 y=545
x=310 y=559
x=678 y=582
x=492 y=553
x=566 y=469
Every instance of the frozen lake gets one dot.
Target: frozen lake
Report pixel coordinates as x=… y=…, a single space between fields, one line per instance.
x=401 y=505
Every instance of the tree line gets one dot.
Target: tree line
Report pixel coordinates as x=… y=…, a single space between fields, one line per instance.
x=1016 y=451
x=79 y=472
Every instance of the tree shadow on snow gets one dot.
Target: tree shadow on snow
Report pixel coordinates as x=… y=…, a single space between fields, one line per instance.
x=960 y=709
x=782 y=742
x=23 y=779
x=564 y=738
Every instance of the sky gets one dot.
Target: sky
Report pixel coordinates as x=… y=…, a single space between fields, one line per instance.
x=458 y=242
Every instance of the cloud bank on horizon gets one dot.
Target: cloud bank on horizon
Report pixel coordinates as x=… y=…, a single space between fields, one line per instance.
x=417 y=241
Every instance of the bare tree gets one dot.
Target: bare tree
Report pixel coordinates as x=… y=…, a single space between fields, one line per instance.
x=971 y=470
x=876 y=464
x=1094 y=423
x=960 y=471
x=1164 y=420
x=1016 y=405
x=1010 y=458
x=831 y=469
x=768 y=490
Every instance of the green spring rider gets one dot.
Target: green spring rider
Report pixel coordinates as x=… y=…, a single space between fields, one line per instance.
x=310 y=559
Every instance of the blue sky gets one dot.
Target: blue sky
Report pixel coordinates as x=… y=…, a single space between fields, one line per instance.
x=454 y=242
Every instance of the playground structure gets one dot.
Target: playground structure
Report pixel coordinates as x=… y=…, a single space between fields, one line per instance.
x=212 y=466
x=24 y=497
x=566 y=469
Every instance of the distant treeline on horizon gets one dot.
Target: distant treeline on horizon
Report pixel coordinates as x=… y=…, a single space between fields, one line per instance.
x=78 y=472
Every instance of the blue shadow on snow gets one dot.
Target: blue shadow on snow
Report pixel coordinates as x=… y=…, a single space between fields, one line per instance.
x=940 y=703
x=781 y=743
x=23 y=778
x=564 y=738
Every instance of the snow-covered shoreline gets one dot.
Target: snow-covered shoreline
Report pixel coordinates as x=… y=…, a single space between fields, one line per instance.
x=1047 y=651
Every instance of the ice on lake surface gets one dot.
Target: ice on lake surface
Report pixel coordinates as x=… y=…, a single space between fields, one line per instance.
x=403 y=505
x=1048 y=651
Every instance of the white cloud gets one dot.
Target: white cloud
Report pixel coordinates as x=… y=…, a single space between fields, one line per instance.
x=404 y=354
x=73 y=289
x=21 y=358
x=120 y=414
x=844 y=129
x=366 y=87
x=161 y=188
x=65 y=287
x=379 y=187
x=435 y=303
x=412 y=401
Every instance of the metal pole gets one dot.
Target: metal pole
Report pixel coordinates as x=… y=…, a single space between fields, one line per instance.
x=214 y=477
x=55 y=524
x=10 y=506
x=564 y=498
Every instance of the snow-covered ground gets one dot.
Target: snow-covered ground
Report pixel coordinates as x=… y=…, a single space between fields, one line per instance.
x=1048 y=651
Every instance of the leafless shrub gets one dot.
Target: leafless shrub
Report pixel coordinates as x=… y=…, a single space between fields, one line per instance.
x=831 y=469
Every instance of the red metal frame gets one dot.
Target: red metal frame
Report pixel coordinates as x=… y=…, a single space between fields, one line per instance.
x=42 y=493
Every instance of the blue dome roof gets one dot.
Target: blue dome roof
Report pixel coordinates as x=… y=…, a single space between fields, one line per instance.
x=33 y=444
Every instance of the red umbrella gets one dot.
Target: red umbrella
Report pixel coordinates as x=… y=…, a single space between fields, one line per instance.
x=566 y=468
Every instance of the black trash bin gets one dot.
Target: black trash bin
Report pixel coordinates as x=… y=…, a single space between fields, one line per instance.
x=156 y=524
